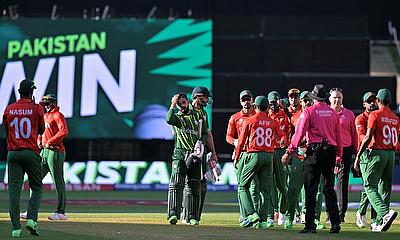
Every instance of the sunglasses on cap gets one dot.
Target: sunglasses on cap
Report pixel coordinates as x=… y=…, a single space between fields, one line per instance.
x=336 y=90
x=371 y=100
x=245 y=98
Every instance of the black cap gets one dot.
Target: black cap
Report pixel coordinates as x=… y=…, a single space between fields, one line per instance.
x=49 y=98
x=202 y=90
x=319 y=92
x=26 y=86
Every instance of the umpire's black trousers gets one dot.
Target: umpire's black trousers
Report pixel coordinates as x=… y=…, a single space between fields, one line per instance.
x=317 y=162
x=342 y=185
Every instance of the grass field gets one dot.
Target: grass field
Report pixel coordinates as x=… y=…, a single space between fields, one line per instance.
x=130 y=221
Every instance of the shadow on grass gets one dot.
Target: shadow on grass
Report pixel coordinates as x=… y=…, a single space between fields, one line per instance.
x=132 y=230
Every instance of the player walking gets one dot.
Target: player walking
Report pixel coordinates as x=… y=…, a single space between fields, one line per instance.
x=381 y=138
x=369 y=103
x=232 y=135
x=280 y=172
x=186 y=159
x=23 y=121
x=260 y=132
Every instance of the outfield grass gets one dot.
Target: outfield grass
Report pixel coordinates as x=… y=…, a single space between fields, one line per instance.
x=149 y=222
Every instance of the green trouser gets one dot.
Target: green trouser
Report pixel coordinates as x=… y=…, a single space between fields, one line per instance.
x=364 y=199
x=19 y=163
x=254 y=191
x=375 y=168
x=53 y=161
x=179 y=175
x=295 y=174
x=279 y=191
x=320 y=198
x=256 y=164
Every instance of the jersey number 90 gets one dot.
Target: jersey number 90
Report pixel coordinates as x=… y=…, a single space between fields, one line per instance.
x=390 y=135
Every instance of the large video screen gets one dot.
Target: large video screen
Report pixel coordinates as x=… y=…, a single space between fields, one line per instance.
x=113 y=78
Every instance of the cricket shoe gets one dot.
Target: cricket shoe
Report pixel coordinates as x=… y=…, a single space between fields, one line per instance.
x=297 y=219
x=16 y=233
x=288 y=224
x=303 y=218
x=276 y=216
x=24 y=215
x=251 y=219
x=281 y=219
x=319 y=224
x=270 y=222
x=388 y=220
x=32 y=227
x=261 y=225
x=57 y=216
x=173 y=220
x=194 y=222
x=373 y=225
x=361 y=220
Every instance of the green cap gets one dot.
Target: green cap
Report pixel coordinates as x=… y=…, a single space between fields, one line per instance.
x=273 y=96
x=305 y=95
x=245 y=93
x=384 y=95
x=285 y=102
x=261 y=101
x=26 y=86
x=368 y=95
x=49 y=98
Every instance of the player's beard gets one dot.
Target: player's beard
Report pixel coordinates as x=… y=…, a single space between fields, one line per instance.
x=247 y=106
x=185 y=110
x=373 y=107
x=274 y=108
x=202 y=103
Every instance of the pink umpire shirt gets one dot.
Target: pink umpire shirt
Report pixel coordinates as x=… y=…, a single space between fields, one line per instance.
x=348 y=128
x=318 y=121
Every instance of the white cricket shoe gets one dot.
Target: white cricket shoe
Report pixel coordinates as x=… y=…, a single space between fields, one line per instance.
x=57 y=216
x=361 y=220
x=303 y=218
x=24 y=215
x=388 y=220
x=281 y=219
x=297 y=219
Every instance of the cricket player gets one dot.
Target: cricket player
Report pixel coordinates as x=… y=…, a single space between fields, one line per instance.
x=361 y=122
x=320 y=124
x=53 y=150
x=349 y=141
x=295 y=168
x=201 y=98
x=186 y=159
x=381 y=138
x=294 y=101
x=260 y=132
x=280 y=171
x=232 y=135
x=23 y=121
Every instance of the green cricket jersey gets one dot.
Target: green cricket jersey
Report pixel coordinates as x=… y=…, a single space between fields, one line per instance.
x=186 y=128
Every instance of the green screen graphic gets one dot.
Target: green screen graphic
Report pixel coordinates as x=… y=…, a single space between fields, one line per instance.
x=114 y=78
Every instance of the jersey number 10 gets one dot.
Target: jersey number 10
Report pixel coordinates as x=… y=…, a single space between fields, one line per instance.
x=20 y=129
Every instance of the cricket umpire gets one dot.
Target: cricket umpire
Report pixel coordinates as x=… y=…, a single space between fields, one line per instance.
x=321 y=125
